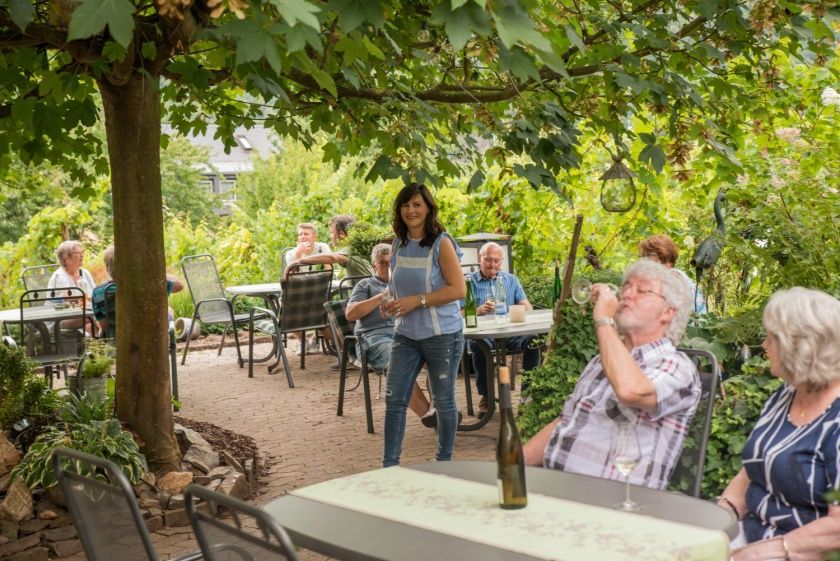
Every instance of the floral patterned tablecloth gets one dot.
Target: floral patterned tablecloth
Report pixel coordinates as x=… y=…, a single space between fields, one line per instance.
x=548 y=528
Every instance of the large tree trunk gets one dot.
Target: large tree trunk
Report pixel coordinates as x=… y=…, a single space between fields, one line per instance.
x=143 y=393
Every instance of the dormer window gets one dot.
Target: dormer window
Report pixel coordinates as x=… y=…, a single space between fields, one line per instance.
x=243 y=143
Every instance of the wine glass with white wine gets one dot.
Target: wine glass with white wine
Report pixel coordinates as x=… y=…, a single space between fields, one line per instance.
x=626 y=455
x=582 y=290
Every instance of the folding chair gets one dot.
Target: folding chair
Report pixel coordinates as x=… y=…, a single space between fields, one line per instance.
x=302 y=310
x=38 y=276
x=343 y=336
x=248 y=534
x=345 y=287
x=104 y=509
x=208 y=296
x=688 y=474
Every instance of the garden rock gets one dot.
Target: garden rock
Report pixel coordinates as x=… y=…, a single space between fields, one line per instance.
x=202 y=457
x=232 y=462
x=188 y=438
x=17 y=505
x=175 y=482
x=66 y=548
x=34 y=554
x=236 y=485
x=19 y=545
x=9 y=529
x=9 y=456
x=31 y=526
x=4 y=482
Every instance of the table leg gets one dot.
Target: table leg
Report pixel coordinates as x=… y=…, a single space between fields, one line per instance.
x=491 y=387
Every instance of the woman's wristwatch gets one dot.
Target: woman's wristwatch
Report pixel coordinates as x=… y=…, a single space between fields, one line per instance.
x=423 y=301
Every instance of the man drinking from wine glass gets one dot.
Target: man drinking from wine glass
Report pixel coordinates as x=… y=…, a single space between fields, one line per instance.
x=639 y=377
x=485 y=282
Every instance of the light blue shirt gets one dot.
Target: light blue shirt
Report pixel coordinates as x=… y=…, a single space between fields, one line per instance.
x=481 y=285
x=416 y=270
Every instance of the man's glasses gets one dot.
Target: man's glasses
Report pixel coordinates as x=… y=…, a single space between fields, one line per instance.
x=632 y=289
x=491 y=260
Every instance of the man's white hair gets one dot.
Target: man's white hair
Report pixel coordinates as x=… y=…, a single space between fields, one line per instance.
x=674 y=290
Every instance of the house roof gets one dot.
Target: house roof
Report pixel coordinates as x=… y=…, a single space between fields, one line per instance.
x=257 y=140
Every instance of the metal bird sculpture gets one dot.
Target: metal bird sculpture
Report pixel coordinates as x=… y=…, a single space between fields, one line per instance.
x=709 y=249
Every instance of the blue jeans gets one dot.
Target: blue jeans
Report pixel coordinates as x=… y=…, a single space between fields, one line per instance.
x=377 y=350
x=530 y=358
x=442 y=355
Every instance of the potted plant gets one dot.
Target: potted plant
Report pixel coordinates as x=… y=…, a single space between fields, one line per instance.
x=95 y=366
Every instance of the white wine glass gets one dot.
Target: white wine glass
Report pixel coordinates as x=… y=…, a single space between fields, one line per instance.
x=582 y=290
x=626 y=455
x=387 y=298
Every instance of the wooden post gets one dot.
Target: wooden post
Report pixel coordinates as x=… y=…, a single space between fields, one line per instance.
x=557 y=316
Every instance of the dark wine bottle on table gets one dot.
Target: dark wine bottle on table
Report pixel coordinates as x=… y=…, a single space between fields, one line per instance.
x=509 y=457
x=470 y=314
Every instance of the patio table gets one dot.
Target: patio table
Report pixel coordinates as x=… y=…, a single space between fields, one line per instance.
x=537 y=322
x=449 y=510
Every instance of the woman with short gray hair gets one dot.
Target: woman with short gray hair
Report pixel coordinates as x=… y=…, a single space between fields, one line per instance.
x=71 y=255
x=792 y=457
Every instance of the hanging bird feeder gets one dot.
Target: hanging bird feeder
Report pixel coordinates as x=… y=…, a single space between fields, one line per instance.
x=618 y=192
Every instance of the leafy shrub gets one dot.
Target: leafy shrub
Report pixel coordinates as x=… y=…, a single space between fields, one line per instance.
x=363 y=236
x=105 y=439
x=22 y=391
x=85 y=408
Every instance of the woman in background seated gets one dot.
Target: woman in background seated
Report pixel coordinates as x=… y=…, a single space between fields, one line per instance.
x=792 y=457
x=71 y=255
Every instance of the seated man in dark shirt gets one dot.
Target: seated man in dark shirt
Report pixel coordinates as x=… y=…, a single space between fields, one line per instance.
x=100 y=292
x=377 y=331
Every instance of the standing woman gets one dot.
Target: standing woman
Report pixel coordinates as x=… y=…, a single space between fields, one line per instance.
x=427 y=284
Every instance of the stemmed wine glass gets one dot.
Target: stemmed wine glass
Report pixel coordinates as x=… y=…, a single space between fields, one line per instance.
x=626 y=455
x=387 y=298
x=582 y=290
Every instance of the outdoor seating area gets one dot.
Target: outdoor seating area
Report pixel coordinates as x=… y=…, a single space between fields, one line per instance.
x=407 y=281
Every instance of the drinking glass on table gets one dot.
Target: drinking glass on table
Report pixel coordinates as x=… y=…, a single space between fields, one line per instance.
x=582 y=290
x=626 y=454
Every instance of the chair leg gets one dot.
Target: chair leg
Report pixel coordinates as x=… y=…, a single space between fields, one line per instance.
x=286 y=366
x=342 y=384
x=368 y=406
x=222 y=344
x=303 y=350
x=467 y=383
x=189 y=337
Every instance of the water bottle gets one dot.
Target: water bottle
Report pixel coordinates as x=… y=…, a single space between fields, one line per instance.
x=500 y=309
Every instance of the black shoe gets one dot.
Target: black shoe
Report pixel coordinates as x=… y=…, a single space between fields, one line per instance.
x=429 y=420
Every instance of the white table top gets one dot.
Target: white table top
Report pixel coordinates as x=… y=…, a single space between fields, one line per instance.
x=263 y=289
x=536 y=322
x=41 y=313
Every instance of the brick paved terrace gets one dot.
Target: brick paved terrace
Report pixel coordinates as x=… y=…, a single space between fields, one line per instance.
x=297 y=429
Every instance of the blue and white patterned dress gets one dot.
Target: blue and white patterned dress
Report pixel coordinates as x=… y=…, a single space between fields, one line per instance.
x=790 y=468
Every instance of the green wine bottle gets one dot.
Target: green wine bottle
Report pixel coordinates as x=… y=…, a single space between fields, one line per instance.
x=509 y=457
x=470 y=314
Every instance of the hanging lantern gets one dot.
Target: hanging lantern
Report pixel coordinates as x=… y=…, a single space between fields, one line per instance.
x=619 y=195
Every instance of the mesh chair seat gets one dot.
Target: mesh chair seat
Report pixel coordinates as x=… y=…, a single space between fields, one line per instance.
x=104 y=509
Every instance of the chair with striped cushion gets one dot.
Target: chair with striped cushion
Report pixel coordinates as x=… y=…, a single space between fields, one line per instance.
x=301 y=310
x=345 y=340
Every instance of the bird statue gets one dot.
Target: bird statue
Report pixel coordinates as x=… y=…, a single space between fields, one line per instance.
x=709 y=249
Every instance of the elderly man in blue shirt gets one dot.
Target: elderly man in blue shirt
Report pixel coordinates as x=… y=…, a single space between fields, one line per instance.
x=489 y=274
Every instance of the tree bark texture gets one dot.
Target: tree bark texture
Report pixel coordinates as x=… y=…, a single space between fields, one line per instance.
x=143 y=390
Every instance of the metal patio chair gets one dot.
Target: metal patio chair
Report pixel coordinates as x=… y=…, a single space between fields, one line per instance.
x=301 y=310
x=247 y=534
x=343 y=339
x=209 y=298
x=104 y=509
x=38 y=276
x=688 y=474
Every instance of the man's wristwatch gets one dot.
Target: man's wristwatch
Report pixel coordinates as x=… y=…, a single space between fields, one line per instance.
x=604 y=321
x=423 y=301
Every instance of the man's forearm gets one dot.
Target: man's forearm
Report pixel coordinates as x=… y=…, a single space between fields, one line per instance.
x=629 y=383
x=534 y=449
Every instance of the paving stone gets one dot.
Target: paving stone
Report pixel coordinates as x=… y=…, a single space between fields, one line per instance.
x=33 y=554
x=176 y=517
x=19 y=545
x=31 y=526
x=66 y=548
x=60 y=534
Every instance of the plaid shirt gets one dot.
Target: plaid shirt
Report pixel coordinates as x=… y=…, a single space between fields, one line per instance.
x=580 y=442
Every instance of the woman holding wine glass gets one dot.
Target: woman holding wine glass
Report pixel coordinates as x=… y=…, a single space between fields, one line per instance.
x=792 y=457
x=426 y=284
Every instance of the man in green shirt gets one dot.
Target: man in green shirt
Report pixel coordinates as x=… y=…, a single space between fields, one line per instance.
x=354 y=265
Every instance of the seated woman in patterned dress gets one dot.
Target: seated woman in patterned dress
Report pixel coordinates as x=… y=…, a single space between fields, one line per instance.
x=792 y=457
